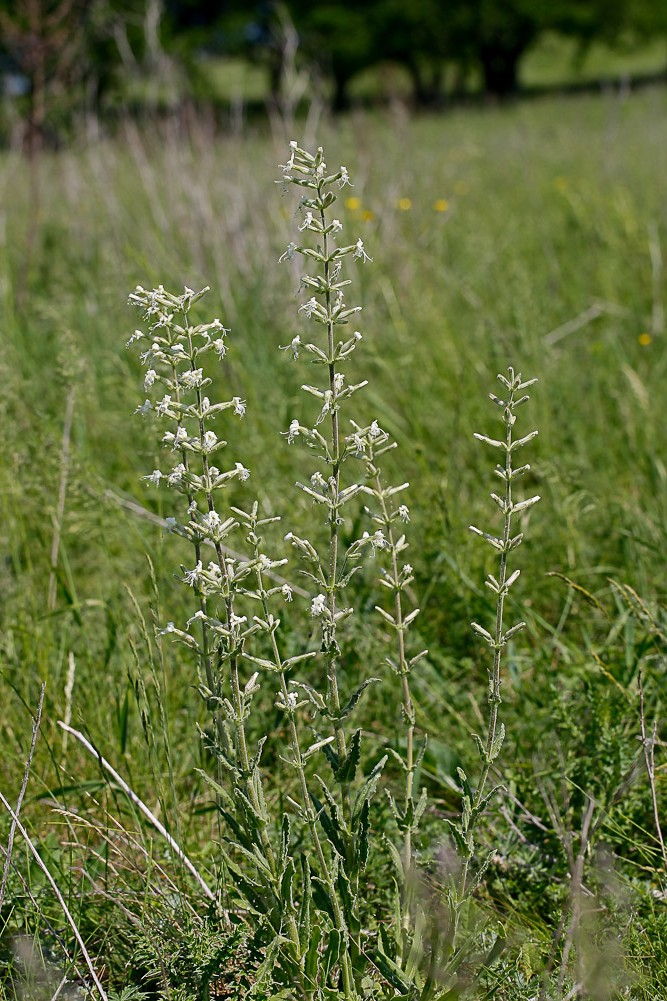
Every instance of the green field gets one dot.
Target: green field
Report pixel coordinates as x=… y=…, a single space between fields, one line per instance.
x=533 y=235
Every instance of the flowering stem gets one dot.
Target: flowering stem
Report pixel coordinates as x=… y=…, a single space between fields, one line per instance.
x=474 y=804
x=298 y=762
x=333 y=696
x=404 y=671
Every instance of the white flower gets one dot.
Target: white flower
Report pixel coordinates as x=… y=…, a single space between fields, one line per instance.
x=211 y=521
x=336 y=226
x=339 y=381
x=287 y=592
x=237 y=620
x=154 y=477
x=149 y=378
x=175 y=440
x=191 y=577
x=310 y=307
x=220 y=347
x=136 y=336
x=193 y=378
x=144 y=408
x=318 y=480
x=292 y=700
x=199 y=615
x=163 y=406
x=318 y=605
x=241 y=471
x=308 y=221
x=359 y=252
x=169 y=628
x=293 y=346
x=404 y=512
x=326 y=408
x=344 y=178
x=205 y=405
x=375 y=431
x=293 y=431
x=289 y=253
x=176 y=475
x=407 y=569
x=239 y=406
x=376 y=541
x=209 y=441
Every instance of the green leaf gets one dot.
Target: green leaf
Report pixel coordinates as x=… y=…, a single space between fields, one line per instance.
x=347 y=900
x=421 y=806
x=286 y=886
x=497 y=742
x=390 y=971
x=330 y=826
x=463 y=845
x=253 y=819
x=321 y=898
x=348 y=767
x=312 y=955
x=284 y=842
x=397 y=860
x=367 y=790
x=362 y=839
x=465 y=785
x=354 y=698
x=304 y=909
x=317 y=746
x=333 y=951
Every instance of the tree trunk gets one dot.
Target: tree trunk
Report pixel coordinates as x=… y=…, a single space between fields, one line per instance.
x=500 y=69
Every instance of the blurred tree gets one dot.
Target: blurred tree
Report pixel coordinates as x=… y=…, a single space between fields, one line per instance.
x=44 y=40
x=339 y=37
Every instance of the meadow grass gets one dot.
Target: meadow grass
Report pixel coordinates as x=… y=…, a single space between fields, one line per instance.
x=530 y=233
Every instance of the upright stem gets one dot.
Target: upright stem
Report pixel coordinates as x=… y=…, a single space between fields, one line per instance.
x=489 y=751
x=309 y=812
x=332 y=679
x=408 y=708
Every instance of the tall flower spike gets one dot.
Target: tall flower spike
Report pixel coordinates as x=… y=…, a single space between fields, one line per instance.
x=321 y=245
x=497 y=637
x=388 y=515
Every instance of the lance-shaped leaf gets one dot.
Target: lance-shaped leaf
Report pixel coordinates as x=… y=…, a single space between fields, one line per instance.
x=525 y=504
x=317 y=746
x=348 y=767
x=354 y=698
x=367 y=790
x=523 y=441
x=491 y=441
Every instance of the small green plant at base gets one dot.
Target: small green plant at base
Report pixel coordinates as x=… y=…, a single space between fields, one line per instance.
x=297 y=872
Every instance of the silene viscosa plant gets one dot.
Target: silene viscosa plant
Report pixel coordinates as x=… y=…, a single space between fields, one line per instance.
x=295 y=845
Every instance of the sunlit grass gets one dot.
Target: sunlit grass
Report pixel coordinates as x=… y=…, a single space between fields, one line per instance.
x=521 y=232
